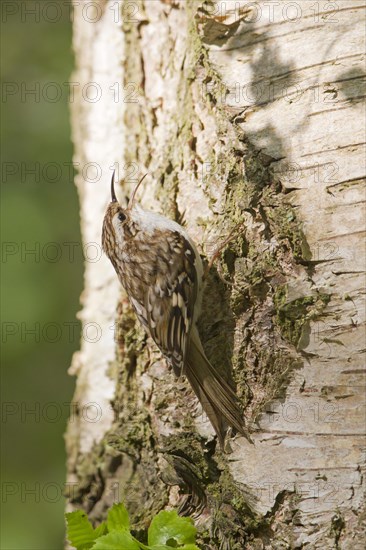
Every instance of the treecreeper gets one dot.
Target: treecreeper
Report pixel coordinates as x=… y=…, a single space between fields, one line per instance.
x=162 y=272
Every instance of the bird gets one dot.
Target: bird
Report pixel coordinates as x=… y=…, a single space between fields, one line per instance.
x=162 y=272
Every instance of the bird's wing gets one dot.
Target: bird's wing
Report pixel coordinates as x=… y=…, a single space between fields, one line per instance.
x=171 y=299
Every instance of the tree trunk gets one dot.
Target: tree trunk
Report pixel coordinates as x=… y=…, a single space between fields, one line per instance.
x=239 y=112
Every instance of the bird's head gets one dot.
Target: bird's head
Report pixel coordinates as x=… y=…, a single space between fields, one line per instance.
x=118 y=224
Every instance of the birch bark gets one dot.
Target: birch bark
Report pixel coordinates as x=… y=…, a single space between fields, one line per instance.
x=245 y=112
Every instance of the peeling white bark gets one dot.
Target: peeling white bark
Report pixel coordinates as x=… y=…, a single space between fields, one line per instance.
x=99 y=141
x=312 y=442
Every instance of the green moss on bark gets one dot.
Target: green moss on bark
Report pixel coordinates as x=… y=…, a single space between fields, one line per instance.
x=292 y=316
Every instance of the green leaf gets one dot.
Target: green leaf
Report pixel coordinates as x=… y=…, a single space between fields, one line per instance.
x=168 y=525
x=118 y=540
x=80 y=531
x=101 y=530
x=118 y=519
x=165 y=547
x=168 y=547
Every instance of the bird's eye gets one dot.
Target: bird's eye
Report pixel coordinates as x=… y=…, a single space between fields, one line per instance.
x=121 y=217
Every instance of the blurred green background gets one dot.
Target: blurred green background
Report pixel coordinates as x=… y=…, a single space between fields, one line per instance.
x=40 y=290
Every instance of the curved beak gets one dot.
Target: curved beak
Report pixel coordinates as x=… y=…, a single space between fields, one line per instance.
x=113 y=194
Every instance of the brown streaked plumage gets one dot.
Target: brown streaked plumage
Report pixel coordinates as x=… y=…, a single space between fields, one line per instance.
x=159 y=266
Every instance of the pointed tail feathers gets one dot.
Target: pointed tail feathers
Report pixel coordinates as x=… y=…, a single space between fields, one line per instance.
x=216 y=396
